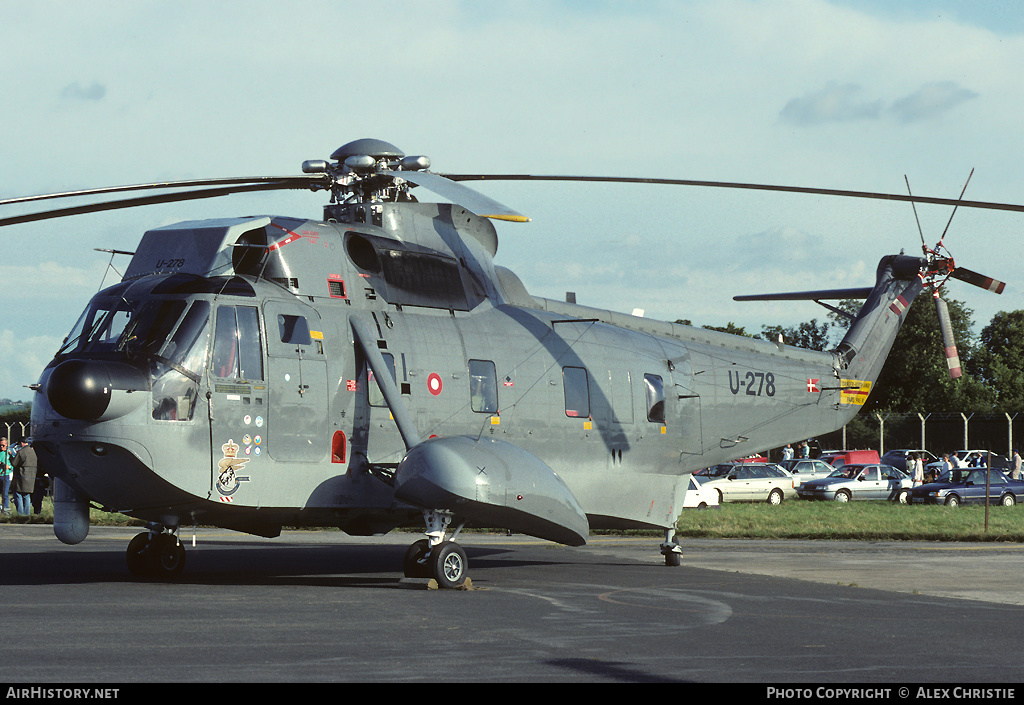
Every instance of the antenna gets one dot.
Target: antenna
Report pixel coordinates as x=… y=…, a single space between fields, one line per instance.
x=924 y=246
x=962 y=191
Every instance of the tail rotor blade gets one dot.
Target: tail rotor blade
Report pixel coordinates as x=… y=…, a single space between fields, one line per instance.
x=966 y=275
x=948 y=341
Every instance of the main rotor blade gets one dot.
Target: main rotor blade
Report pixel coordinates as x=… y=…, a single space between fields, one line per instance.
x=191 y=183
x=466 y=197
x=824 y=294
x=292 y=182
x=966 y=275
x=756 y=187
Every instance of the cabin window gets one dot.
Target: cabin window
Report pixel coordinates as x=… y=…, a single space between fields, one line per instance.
x=483 y=386
x=237 y=344
x=577 y=391
x=376 y=395
x=293 y=329
x=655 y=390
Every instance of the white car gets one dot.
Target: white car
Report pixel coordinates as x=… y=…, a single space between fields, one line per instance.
x=805 y=469
x=964 y=456
x=753 y=482
x=699 y=497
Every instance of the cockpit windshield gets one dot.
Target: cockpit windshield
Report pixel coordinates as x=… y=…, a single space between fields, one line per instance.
x=167 y=338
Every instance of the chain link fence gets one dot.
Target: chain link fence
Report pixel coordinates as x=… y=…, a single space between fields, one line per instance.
x=938 y=432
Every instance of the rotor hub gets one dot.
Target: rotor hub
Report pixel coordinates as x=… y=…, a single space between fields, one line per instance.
x=364 y=171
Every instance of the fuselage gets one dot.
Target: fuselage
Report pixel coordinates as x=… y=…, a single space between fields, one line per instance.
x=233 y=392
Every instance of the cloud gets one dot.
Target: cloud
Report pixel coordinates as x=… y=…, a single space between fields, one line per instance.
x=50 y=281
x=75 y=91
x=930 y=100
x=844 y=103
x=833 y=103
x=24 y=358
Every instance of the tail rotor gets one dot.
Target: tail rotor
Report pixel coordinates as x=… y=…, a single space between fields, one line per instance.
x=948 y=340
x=942 y=267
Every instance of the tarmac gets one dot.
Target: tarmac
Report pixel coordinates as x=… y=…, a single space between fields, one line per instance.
x=320 y=606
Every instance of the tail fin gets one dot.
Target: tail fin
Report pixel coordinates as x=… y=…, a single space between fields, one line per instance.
x=863 y=350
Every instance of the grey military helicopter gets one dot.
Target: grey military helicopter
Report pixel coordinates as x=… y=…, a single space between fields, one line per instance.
x=376 y=369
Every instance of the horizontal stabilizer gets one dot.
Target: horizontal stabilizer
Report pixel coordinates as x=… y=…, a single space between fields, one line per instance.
x=861 y=293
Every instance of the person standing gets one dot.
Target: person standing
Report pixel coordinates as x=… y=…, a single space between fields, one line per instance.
x=918 y=465
x=5 y=474
x=1016 y=464
x=24 y=483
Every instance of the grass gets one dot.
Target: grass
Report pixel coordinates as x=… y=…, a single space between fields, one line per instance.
x=96 y=517
x=793 y=519
x=865 y=521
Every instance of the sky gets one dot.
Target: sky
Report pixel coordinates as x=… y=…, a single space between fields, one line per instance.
x=845 y=94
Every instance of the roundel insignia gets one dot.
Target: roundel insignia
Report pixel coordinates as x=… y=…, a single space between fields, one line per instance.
x=434 y=384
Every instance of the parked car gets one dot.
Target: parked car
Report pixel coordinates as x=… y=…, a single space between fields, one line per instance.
x=715 y=471
x=898 y=458
x=967 y=486
x=840 y=458
x=753 y=482
x=699 y=497
x=874 y=481
x=804 y=469
x=965 y=457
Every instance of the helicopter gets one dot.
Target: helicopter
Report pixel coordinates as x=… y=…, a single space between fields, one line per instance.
x=376 y=368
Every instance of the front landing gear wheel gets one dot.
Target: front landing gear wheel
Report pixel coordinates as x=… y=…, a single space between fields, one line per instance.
x=137 y=555
x=448 y=563
x=166 y=557
x=159 y=556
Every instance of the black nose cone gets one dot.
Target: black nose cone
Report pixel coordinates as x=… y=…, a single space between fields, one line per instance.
x=79 y=389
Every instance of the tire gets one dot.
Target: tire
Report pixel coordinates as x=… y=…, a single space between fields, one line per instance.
x=166 y=557
x=1007 y=500
x=843 y=496
x=903 y=497
x=672 y=559
x=953 y=501
x=137 y=555
x=414 y=564
x=775 y=497
x=449 y=565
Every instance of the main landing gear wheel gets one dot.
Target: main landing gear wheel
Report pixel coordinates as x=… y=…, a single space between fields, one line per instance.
x=415 y=565
x=437 y=556
x=448 y=563
x=159 y=556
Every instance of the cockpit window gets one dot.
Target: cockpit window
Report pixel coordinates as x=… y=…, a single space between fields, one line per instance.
x=148 y=331
x=121 y=325
x=99 y=328
x=237 y=346
x=176 y=370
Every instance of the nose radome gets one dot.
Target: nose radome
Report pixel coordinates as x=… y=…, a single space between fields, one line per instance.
x=84 y=389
